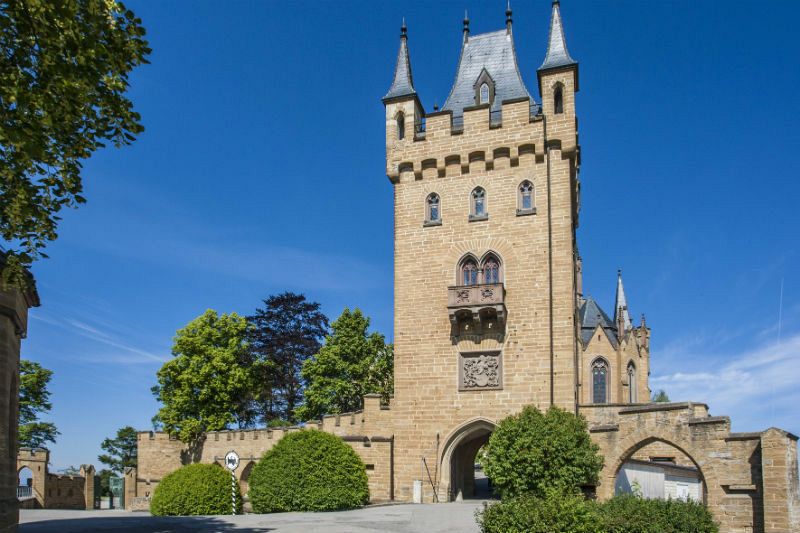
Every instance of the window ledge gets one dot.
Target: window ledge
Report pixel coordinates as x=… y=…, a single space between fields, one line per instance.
x=429 y=223
x=478 y=218
x=525 y=212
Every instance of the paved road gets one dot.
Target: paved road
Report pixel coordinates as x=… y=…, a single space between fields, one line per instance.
x=404 y=518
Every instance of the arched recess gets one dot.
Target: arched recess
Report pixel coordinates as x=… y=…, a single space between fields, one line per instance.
x=639 y=440
x=244 y=479
x=457 y=464
x=25 y=477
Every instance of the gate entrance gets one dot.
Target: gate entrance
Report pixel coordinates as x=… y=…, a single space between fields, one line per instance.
x=462 y=476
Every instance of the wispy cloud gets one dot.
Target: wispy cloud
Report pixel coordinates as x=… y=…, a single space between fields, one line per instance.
x=758 y=387
x=131 y=354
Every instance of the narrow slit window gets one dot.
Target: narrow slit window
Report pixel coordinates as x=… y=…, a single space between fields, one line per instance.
x=558 y=100
x=631 y=383
x=479 y=202
x=526 y=196
x=401 y=126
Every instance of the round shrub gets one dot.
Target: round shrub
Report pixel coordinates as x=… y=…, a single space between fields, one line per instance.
x=195 y=490
x=555 y=512
x=308 y=470
x=532 y=451
x=629 y=514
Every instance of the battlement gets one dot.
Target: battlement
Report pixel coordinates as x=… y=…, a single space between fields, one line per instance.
x=33 y=454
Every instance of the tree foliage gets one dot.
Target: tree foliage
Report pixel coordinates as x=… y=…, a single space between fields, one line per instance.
x=64 y=71
x=205 y=386
x=197 y=489
x=121 y=451
x=282 y=336
x=660 y=396
x=352 y=363
x=34 y=400
x=308 y=470
x=532 y=452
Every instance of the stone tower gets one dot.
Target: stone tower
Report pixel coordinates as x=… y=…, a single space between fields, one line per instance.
x=485 y=210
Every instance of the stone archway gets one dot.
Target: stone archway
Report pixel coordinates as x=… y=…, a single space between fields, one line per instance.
x=457 y=478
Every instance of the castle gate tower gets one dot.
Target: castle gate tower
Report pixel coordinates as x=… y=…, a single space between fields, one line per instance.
x=485 y=210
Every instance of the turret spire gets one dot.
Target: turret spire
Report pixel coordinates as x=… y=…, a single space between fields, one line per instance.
x=466 y=26
x=403 y=82
x=621 y=313
x=557 y=53
x=508 y=16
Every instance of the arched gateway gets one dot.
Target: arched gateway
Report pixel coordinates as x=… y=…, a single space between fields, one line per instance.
x=457 y=479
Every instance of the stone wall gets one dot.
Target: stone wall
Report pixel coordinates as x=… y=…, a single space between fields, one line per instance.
x=750 y=479
x=13 y=327
x=56 y=491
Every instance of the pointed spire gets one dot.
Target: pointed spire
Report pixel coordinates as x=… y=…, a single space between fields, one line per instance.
x=403 y=82
x=508 y=16
x=466 y=26
x=621 y=305
x=557 y=53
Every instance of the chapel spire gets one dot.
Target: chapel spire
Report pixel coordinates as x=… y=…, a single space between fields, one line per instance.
x=621 y=305
x=557 y=53
x=403 y=82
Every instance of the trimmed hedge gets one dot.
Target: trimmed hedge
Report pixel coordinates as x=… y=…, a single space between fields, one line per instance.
x=629 y=514
x=308 y=470
x=198 y=489
x=574 y=514
x=555 y=512
x=532 y=452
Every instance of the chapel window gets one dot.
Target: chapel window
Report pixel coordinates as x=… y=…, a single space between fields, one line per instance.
x=599 y=381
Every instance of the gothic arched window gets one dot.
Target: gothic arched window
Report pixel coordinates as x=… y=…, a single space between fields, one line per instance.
x=525 y=201
x=491 y=270
x=631 y=382
x=558 y=100
x=469 y=272
x=484 y=93
x=432 y=213
x=478 y=202
x=401 y=126
x=599 y=381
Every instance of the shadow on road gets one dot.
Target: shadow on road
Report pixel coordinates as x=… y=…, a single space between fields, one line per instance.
x=144 y=523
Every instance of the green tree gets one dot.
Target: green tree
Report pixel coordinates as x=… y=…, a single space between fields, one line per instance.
x=660 y=396
x=532 y=452
x=205 y=386
x=34 y=400
x=105 y=476
x=121 y=451
x=281 y=337
x=64 y=71
x=352 y=363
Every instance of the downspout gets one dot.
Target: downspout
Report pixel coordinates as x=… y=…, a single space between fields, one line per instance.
x=550 y=260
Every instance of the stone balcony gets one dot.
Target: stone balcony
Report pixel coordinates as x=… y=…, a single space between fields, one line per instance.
x=477 y=303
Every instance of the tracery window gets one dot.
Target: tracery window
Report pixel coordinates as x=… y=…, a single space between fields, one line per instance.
x=484 y=93
x=558 y=100
x=491 y=270
x=631 y=382
x=432 y=213
x=599 y=381
x=478 y=202
x=401 y=126
x=469 y=272
x=526 y=196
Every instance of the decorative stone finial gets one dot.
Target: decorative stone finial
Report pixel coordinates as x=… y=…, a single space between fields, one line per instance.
x=403 y=29
x=466 y=25
x=508 y=16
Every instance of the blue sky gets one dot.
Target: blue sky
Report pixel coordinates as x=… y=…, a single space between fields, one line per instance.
x=262 y=169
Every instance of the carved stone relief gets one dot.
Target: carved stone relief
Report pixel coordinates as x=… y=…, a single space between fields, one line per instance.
x=480 y=371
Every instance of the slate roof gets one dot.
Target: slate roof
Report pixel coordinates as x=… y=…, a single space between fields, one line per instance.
x=557 y=53
x=590 y=316
x=494 y=52
x=403 y=82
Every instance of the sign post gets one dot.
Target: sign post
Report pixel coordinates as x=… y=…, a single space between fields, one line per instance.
x=232 y=463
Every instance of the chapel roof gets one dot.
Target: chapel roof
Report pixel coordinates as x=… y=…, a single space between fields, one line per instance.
x=591 y=315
